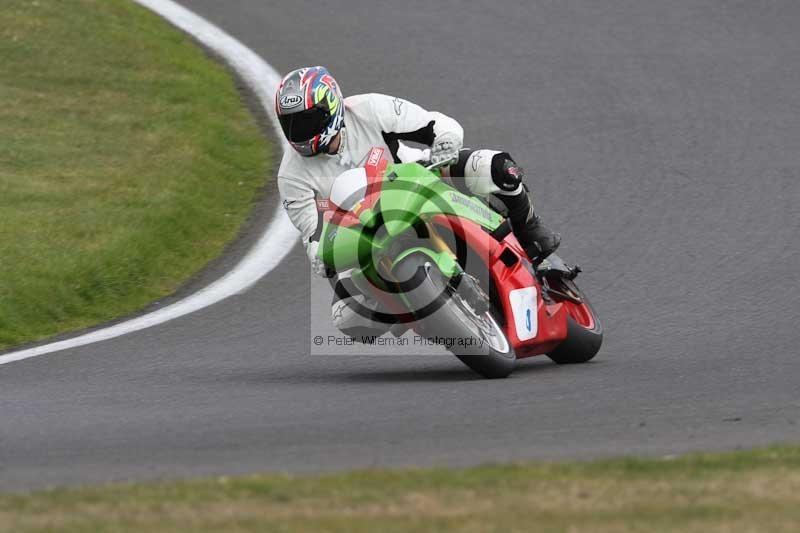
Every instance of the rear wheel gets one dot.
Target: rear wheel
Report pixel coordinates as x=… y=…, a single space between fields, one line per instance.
x=476 y=338
x=584 y=335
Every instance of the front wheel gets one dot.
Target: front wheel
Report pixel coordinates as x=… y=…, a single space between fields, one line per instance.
x=477 y=339
x=584 y=335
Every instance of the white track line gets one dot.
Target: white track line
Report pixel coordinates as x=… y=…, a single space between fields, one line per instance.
x=279 y=237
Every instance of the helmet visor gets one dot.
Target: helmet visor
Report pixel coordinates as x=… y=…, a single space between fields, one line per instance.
x=302 y=126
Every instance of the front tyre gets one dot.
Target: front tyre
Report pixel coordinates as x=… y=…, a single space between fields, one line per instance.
x=584 y=335
x=442 y=314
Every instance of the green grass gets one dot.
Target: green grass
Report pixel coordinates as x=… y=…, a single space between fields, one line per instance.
x=743 y=491
x=127 y=161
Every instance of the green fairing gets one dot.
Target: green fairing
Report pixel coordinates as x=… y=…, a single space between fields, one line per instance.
x=409 y=194
x=446 y=263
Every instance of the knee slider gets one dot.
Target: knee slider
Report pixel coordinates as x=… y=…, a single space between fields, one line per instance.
x=506 y=173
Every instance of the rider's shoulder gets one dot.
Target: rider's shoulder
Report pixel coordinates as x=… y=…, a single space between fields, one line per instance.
x=367 y=103
x=297 y=168
x=293 y=166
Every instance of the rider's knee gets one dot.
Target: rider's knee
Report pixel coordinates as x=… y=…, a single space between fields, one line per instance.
x=507 y=174
x=489 y=172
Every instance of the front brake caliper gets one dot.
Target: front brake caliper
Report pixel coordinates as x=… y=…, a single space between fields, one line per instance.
x=471 y=291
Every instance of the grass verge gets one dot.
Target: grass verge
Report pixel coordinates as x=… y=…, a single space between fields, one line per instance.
x=127 y=162
x=743 y=491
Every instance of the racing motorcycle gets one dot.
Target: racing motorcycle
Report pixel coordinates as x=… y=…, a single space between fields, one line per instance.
x=447 y=265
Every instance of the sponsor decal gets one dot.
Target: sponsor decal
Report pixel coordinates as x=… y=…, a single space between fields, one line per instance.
x=477 y=208
x=523 y=307
x=374 y=156
x=289 y=101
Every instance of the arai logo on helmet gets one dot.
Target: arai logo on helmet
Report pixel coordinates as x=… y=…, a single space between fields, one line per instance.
x=289 y=101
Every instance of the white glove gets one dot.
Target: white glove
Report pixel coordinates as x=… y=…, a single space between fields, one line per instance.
x=445 y=148
x=318 y=267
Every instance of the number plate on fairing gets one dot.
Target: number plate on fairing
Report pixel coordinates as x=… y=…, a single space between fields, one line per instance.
x=523 y=307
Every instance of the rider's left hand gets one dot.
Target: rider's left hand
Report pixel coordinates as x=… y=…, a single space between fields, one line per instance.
x=445 y=148
x=318 y=267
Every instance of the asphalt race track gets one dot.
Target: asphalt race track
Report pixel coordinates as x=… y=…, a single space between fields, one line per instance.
x=661 y=138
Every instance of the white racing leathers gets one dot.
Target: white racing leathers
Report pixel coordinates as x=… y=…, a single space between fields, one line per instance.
x=370 y=120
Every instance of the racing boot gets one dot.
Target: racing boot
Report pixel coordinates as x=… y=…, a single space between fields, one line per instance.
x=536 y=239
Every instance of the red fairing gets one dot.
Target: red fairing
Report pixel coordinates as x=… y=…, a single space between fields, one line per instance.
x=375 y=166
x=552 y=318
x=345 y=219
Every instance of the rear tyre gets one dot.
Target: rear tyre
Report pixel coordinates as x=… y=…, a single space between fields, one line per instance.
x=443 y=314
x=583 y=339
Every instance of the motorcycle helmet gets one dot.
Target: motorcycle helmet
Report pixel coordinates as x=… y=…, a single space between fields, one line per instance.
x=310 y=109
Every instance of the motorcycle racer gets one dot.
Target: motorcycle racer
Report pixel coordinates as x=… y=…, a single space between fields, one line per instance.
x=330 y=134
